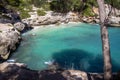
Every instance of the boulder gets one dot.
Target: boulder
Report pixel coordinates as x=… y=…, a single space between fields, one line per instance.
x=96 y=20
x=19 y=26
x=22 y=27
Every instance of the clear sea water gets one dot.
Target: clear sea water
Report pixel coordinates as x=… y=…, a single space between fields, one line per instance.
x=72 y=46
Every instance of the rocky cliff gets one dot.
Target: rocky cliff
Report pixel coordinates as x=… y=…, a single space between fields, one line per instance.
x=10 y=37
x=51 y=18
x=55 y=18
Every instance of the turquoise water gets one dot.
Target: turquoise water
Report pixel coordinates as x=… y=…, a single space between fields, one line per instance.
x=72 y=46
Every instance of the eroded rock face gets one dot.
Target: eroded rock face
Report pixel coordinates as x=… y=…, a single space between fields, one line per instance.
x=10 y=37
x=8 y=42
x=114 y=20
x=21 y=27
x=18 y=71
x=52 y=18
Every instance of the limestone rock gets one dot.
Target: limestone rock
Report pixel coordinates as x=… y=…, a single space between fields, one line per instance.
x=22 y=27
x=16 y=71
x=19 y=71
x=6 y=26
x=19 y=26
x=114 y=20
x=52 y=18
x=4 y=66
x=8 y=42
x=75 y=75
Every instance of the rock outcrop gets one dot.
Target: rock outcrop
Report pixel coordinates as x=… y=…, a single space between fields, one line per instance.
x=19 y=26
x=9 y=17
x=8 y=42
x=52 y=18
x=10 y=37
x=113 y=18
x=16 y=71
x=19 y=71
x=22 y=27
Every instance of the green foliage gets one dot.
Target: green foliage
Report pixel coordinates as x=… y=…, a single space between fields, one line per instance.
x=9 y=2
x=71 y=5
x=88 y=12
x=81 y=6
x=37 y=3
x=24 y=14
x=25 y=4
x=114 y=3
x=66 y=5
x=75 y=5
x=54 y=6
x=41 y=12
x=13 y=2
x=46 y=6
x=92 y=2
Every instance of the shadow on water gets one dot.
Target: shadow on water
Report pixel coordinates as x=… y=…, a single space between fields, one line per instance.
x=80 y=59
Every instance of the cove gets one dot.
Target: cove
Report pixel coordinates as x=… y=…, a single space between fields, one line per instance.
x=72 y=46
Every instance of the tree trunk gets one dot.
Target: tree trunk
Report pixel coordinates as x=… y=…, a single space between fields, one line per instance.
x=105 y=41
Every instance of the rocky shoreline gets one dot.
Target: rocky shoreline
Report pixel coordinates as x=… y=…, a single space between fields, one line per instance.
x=57 y=18
x=7 y=43
x=10 y=38
x=18 y=71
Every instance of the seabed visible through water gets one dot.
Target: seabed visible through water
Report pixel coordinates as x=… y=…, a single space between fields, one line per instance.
x=73 y=45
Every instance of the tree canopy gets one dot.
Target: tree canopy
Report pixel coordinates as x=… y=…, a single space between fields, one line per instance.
x=114 y=3
x=84 y=7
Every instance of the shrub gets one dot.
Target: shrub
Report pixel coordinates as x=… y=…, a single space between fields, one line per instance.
x=46 y=6
x=41 y=12
x=88 y=11
x=24 y=14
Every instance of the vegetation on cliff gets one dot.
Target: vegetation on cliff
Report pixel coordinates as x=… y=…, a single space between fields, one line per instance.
x=84 y=7
x=41 y=12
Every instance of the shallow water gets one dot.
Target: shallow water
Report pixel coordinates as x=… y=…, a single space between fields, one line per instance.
x=72 y=46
